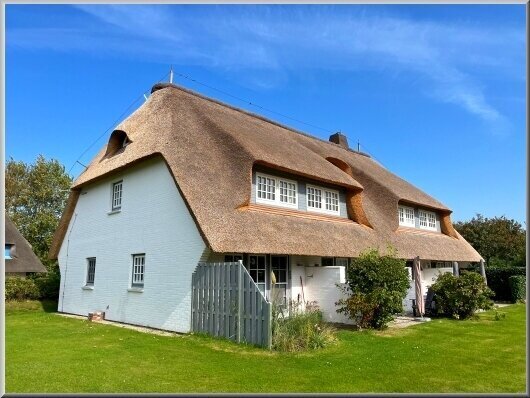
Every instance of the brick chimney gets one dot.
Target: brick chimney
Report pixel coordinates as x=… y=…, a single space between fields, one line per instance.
x=339 y=139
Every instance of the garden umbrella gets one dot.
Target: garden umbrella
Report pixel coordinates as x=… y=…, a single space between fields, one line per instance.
x=417 y=283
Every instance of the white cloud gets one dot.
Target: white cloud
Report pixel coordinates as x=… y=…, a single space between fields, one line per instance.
x=258 y=41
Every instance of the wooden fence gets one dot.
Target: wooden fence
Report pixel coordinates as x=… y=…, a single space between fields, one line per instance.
x=227 y=303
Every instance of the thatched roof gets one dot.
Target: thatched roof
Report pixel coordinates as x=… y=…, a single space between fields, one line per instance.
x=23 y=259
x=211 y=149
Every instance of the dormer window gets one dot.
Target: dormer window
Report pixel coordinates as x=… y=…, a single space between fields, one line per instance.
x=117 y=143
x=406 y=216
x=8 y=254
x=125 y=142
x=322 y=200
x=276 y=191
x=427 y=220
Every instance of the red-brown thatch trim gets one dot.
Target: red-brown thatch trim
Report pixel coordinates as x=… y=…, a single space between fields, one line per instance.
x=211 y=148
x=294 y=213
x=22 y=257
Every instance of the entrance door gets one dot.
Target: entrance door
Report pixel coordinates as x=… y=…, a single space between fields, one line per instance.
x=257 y=270
x=280 y=266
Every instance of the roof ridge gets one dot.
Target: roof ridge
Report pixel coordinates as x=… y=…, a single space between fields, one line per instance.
x=160 y=86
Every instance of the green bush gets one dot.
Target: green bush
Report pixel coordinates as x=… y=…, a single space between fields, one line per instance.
x=377 y=285
x=498 y=280
x=460 y=297
x=21 y=289
x=517 y=287
x=48 y=284
x=301 y=330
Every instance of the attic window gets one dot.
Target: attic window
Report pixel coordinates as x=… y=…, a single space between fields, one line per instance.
x=118 y=141
x=406 y=216
x=7 y=252
x=427 y=220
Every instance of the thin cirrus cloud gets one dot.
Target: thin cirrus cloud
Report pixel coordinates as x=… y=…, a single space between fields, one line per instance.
x=271 y=42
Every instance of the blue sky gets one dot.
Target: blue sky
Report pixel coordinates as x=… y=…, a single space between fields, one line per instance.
x=435 y=93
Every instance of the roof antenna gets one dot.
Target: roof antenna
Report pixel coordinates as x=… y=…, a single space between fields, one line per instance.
x=171 y=74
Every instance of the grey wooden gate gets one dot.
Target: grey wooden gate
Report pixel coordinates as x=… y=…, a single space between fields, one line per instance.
x=227 y=303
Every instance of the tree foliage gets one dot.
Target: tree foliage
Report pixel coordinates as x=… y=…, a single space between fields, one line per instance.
x=501 y=241
x=35 y=197
x=377 y=284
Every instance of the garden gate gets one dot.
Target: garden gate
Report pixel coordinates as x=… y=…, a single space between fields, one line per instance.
x=227 y=303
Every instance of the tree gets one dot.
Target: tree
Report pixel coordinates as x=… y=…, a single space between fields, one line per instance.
x=377 y=284
x=499 y=240
x=35 y=198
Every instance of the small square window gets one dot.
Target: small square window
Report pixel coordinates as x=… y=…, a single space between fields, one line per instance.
x=138 y=270
x=117 y=189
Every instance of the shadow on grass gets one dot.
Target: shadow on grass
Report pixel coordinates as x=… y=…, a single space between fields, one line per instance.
x=47 y=306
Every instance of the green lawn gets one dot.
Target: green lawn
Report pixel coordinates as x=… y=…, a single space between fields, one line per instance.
x=49 y=353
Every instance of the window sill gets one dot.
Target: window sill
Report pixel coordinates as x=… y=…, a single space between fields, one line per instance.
x=114 y=211
x=88 y=287
x=136 y=289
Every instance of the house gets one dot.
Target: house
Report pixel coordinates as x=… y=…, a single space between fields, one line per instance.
x=18 y=255
x=187 y=179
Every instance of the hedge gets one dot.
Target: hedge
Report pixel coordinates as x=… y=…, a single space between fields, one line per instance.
x=498 y=280
x=517 y=287
x=21 y=289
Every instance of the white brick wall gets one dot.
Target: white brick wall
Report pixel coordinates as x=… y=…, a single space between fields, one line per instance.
x=153 y=220
x=321 y=283
x=428 y=277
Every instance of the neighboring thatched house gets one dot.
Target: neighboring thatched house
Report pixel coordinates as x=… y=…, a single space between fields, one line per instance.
x=187 y=178
x=18 y=255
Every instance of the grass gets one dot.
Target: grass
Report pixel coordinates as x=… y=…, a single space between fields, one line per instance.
x=49 y=353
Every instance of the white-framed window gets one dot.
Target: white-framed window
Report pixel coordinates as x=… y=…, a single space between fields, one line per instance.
x=332 y=201
x=138 y=270
x=91 y=271
x=287 y=192
x=427 y=220
x=276 y=191
x=117 y=191
x=322 y=200
x=406 y=216
x=314 y=198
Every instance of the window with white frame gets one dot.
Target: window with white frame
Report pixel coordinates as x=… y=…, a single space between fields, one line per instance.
x=287 y=192
x=276 y=191
x=332 y=201
x=138 y=270
x=322 y=200
x=406 y=216
x=117 y=189
x=314 y=198
x=427 y=219
x=91 y=271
